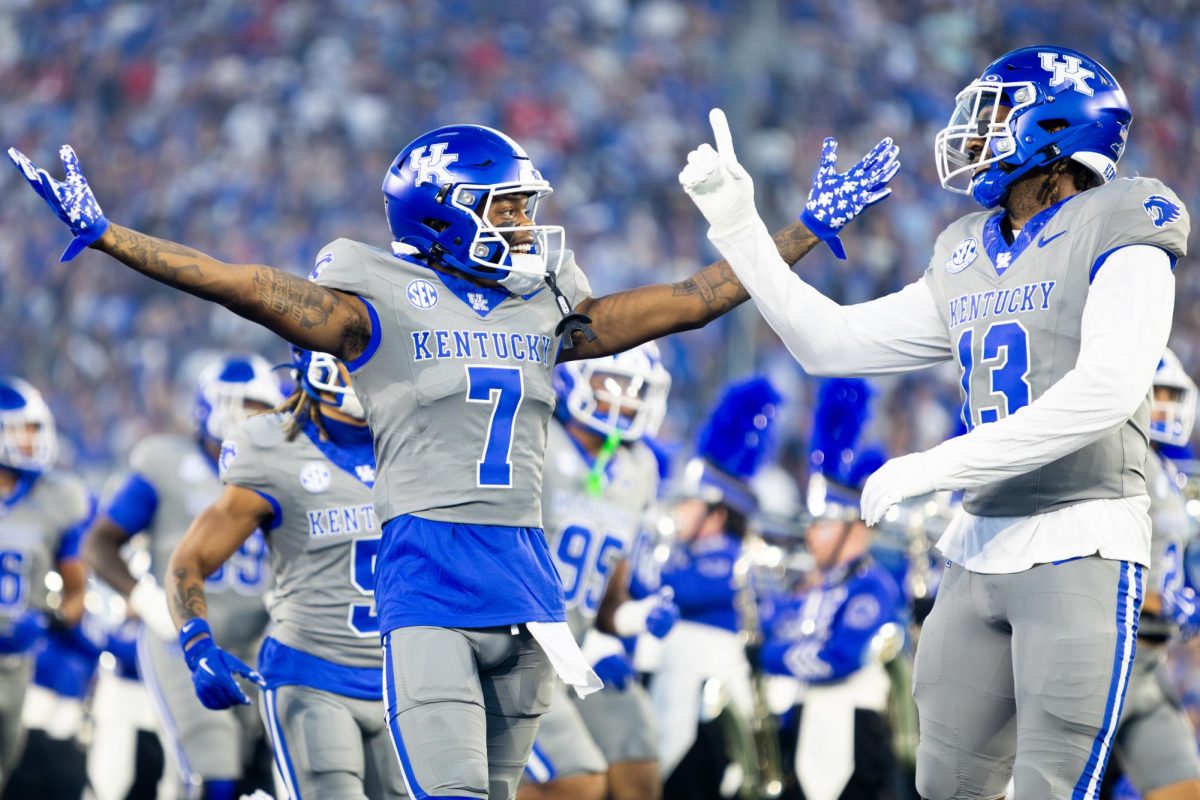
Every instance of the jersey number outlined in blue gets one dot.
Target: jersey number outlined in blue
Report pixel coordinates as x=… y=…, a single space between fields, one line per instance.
x=575 y=551
x=362 y=617
x=504 y=388
x=1004 y=354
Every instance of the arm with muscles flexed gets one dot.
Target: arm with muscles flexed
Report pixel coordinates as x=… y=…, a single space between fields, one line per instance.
x=627 y=319
x=214 y=536
x=307 y=315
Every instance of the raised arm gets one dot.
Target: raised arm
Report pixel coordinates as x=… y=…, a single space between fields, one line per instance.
x=300 y=311
x=627 y=319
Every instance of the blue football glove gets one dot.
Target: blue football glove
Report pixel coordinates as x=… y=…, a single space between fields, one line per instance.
x=615 y=670
x=1179 y=601
x=662 y=617
x=213 y=669
x=25 y=632
x=71 y=200
x=836 y=198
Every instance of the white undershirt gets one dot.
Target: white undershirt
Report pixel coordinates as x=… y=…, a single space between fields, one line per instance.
x=1126 y=322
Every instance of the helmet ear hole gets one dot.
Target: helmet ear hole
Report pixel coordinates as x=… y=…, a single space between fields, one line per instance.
x=437 y=225
x=1052 y=125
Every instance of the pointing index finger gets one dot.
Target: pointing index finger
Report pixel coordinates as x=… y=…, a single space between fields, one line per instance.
x=721 y=134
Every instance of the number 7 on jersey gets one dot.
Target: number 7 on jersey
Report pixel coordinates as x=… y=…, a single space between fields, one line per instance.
x=504 y=387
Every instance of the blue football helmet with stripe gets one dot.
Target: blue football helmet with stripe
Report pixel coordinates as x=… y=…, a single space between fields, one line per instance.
x=28 y=440
x=623 y=394
x=1172 y=402
x=1060 y=104
x=225 y=386
x=321 y=373
x=439 y=191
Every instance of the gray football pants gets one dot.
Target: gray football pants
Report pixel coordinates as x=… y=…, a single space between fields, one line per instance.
x=330 y=747
x=1024 y=674
x=16 y=673
x=463 y=707
x=1155 y=742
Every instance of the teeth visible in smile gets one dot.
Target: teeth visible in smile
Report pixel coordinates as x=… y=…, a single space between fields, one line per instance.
x=522 y=248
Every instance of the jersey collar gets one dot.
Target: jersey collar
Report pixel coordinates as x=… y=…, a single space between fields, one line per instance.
x=354 y=457
x=24 y=484
x=1003 y=254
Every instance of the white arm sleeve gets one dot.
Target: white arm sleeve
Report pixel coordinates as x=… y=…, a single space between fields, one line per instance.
x=896 y=333
x=1126 y=322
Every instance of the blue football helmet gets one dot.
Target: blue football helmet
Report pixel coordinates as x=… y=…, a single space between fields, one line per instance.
x=318 y=373
x=439 y=191
x=28 y=440
x=1061 y=104
x=225 y=386
x=1172 y=417
x=623 y=394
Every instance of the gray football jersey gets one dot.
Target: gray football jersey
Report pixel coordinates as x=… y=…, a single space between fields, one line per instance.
x=1169 y=521
x=1017 y=333
x=588 y=535
x=32 y=533
x=323 y=547
x=457 y=396
x=185 y=481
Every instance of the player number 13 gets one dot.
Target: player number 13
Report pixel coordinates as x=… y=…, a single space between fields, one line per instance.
x=1000 y=361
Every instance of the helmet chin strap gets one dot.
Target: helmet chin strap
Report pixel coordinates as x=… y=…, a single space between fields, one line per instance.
x=572 y=321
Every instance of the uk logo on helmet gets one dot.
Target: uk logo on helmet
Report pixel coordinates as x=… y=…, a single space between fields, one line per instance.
x=432 y=168
x=963 y=256
x=421 y=293
x=1161 y=210
x=1069 y=69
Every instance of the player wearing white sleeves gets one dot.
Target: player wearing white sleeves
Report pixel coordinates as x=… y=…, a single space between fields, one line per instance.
x=305 y=477
x=1056 y=303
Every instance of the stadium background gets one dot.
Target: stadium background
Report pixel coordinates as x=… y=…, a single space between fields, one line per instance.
x=259 y=131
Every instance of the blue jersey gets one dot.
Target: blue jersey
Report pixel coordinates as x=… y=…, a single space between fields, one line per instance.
x=701 y=575
x=823 y=635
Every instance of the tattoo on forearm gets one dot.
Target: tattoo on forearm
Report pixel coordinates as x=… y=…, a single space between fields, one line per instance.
x=189 y=600
x=165 y=261
x=300 y=300
x=794 y=241
x=716 y=286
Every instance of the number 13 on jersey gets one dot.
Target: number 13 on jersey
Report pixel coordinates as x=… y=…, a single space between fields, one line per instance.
x=995 y=372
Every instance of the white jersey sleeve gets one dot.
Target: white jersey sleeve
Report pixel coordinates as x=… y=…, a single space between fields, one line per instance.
x=896 y=333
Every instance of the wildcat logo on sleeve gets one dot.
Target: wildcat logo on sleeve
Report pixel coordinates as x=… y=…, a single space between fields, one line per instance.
x=229 y=452
x=963 y=256
x=1161 y=210
x=421 y=293
x=315 y=477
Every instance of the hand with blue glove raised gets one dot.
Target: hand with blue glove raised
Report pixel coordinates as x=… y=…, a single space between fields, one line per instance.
x=72 y=200
x=213 y=669
x=663 y=615
x=836 y=197
x=615 y=670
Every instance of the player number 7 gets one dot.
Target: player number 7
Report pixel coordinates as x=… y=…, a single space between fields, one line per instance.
x=504 y=387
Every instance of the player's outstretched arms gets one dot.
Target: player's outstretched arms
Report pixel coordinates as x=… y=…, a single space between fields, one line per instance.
x=300 y=311
x=626 y=319
x=214 y=535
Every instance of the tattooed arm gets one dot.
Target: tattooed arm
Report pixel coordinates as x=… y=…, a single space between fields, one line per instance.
x=311 y=316
x=626 y=319
x=214 y=536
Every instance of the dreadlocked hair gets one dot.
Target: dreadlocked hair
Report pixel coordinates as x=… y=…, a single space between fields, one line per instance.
x=300 y=408
x=1083 y=178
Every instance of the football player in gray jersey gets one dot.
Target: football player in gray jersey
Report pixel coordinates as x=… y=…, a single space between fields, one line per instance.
x=1155 y=744
x=599 y=482
x=171 y=479
x=43 y=514
x=303 y=475
x=451 y=331
x=1055 y=302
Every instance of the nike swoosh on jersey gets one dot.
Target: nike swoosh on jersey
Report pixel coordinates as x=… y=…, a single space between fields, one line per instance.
x=1045 y=240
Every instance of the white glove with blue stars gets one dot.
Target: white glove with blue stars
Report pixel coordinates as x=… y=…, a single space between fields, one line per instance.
x=71 y=200
x=836 y=198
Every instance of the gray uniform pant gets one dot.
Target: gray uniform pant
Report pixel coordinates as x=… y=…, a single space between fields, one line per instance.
x=463 y=707
x=330 y=747
x=580 y=737
x=16 y=673
x=1155 y=742
x=1024 y=674
x=205 y=745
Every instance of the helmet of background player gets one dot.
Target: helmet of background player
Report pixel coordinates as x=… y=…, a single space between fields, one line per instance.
x=439 y=192
x=1059 y=104
x=28 y=441
x=226 y=386
x=320 y=374
x=1172 y=402
x=623 y=394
